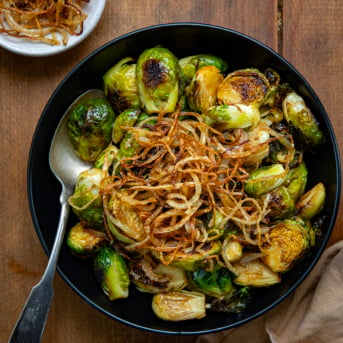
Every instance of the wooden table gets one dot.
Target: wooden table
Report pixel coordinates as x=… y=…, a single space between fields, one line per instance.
x=307 y=33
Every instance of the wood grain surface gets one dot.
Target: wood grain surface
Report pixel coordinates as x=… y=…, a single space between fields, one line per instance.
x=308 y=33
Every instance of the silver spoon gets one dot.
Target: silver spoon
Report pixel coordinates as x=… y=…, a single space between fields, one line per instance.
x=66 y=166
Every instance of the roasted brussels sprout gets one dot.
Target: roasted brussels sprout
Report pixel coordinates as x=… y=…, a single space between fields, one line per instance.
x=300 y=116
x=155 y=277
x=123 y=222
x=232 y=303
x=191 y=260
x=232 y=249
x=86 y=200
x=89 y=127
x=259 y=137
x=129 y=145
x=107 y=158
x=255 y=274
x=280 y=203
x=246 y=86
x=85 y=241
x=215 y=283
x=127 y=118
x=190 y=65
x=120 y=85
x=312 y=202
x=202 y=91
x=158 y=77
x=286 y=244
x=112 y=273
x=296 y=181
x=179 y=305
x=265 y=179
x=225 y=117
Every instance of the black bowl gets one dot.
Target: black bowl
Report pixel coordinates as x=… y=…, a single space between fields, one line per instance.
x=183 y=39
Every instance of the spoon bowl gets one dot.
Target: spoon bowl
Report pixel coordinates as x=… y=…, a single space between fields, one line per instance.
x=66 y=166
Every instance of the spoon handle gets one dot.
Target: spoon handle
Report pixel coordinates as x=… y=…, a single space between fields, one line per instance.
x=31 y=322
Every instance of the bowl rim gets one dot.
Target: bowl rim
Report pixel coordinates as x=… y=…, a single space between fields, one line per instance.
x=325 y=118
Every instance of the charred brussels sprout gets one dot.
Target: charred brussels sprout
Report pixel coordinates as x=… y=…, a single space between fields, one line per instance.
x=286 y=244
x=85 y=241
x=190 y=65
x=154 y=277
x=312 y=202
x=226 y=117
x=202 y=91
x=120 y=85
x=214 y=283
x=86 y=200
x=281 y=205
x=265 y=179
x=233 y=303
x=247 y=86
x=158 y=74
x=179 y=305
x=89 y=127
x=255 y=274
x=112 y=273
x=299 y=115
x=126 y=118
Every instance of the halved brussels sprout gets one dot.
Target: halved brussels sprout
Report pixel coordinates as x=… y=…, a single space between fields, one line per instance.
x=179 y=305
x=215 y=283
x=129 y=145
x=286 y=244
x=190 y=64
x=120 y=85
x=232 y=250
x=152 y=277
x=122 y=220
x=246 y=86
x=255 y=274
x=202 y=91
x=158 y=77
x=107 y=158
x=265 y=179
x=89 y=127
x=112 y=273
x=300 y=116
x=86 y=200
x=280 y=205
x=192 y=260
x=85 y=241
x=296 y=181
x=312 y=202
x=232 y=303
x=126 y=118
x=226 y=117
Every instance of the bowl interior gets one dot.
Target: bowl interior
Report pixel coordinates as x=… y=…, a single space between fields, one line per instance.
x=182 y=39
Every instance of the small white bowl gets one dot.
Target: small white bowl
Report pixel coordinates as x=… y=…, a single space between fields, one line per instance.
x=24 y=46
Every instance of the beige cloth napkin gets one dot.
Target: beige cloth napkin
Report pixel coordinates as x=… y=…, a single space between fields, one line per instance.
x=313 y=313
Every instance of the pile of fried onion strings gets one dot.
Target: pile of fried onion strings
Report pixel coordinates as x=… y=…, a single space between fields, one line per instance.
x=47 y=21
x=185 y=171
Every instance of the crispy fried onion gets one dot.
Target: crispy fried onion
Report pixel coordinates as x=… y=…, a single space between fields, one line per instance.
x=168 y=197
x=46 y=21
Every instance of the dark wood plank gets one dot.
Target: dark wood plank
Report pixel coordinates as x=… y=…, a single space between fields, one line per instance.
x=312 y=42
x=25 y=86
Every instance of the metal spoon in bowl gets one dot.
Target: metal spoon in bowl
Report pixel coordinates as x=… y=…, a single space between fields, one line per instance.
x=66 y=166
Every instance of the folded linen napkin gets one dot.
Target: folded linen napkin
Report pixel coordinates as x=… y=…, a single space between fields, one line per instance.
x=312 y=314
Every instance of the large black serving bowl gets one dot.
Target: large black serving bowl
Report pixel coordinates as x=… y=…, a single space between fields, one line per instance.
x=183 y=39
